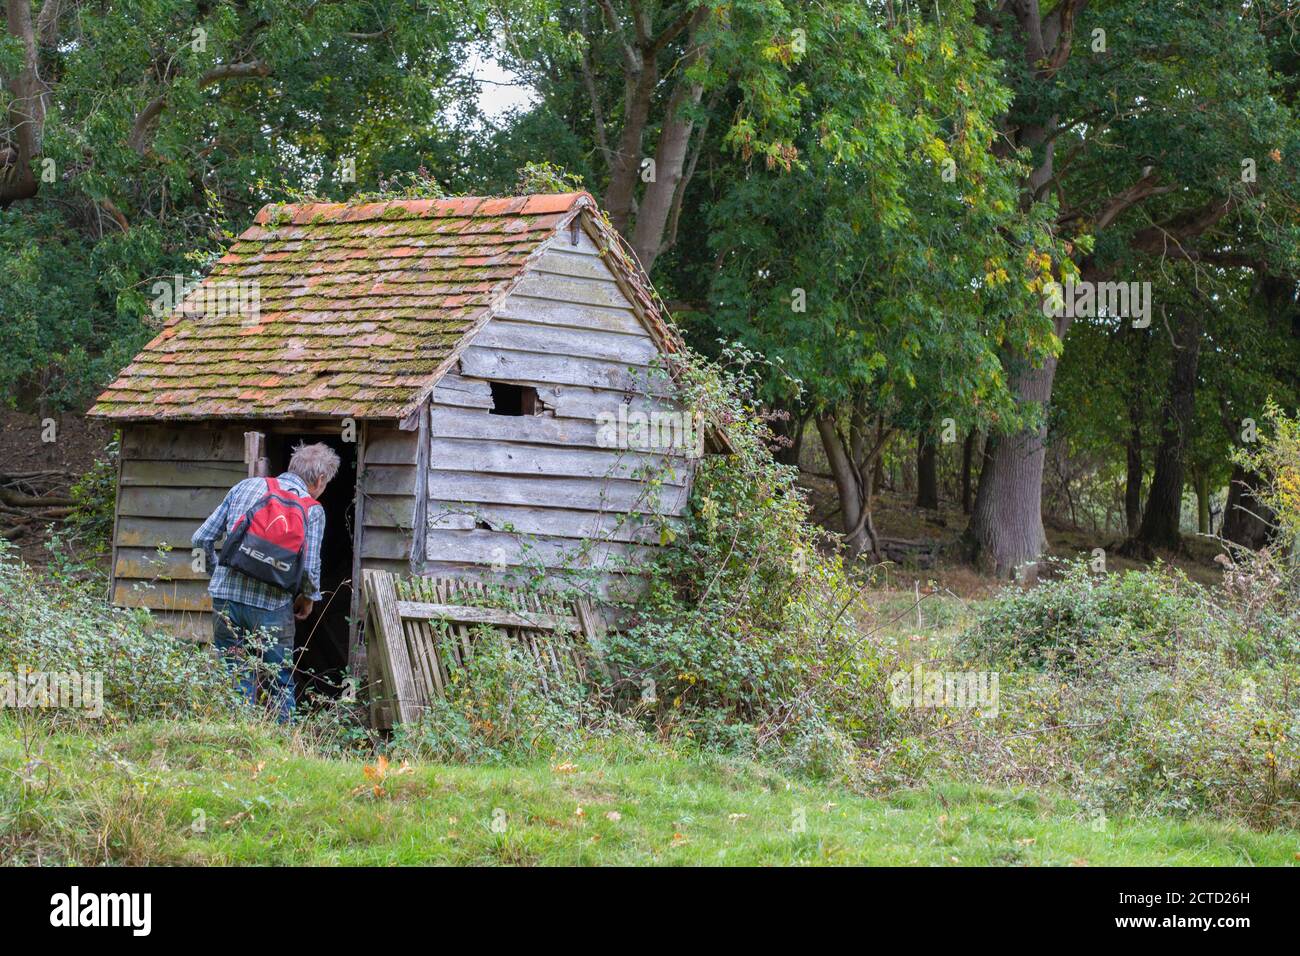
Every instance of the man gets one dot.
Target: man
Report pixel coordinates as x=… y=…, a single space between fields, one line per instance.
x=251 y=615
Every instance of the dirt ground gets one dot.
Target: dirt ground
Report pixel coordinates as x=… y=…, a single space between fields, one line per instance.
x=34 y=467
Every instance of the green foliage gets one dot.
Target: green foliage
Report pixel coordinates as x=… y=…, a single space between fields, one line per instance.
x=1068 y=622
x=95 y=495
x=59 y=627
x=745 y=639
x=903 y=234
x=497 y=710
x=1278 y=462
x=544 y=177
x=1142 y=693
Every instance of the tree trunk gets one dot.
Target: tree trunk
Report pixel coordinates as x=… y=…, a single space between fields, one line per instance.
x=1202 y=485
x=878 y=469
x=927 y=472
x=852 y=461
x=1133 y=478
x=649 y=237
x=641 y=79
x=1133 y=447
x=1247 y=521
x=27 y=109
x=967 y=468
x=1160 y=521
x=853 y=496
x=1006 y=526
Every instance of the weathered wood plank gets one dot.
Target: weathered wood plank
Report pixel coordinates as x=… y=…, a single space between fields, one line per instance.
x=568 y=289
x=553 y=522
x=454 y=390
x=615 y=584
x=559 y=260
x=169 y=596
x=390 y=446
x=584 y=245
x=185 y=443
x=186 y=474
x=467 y=614
x=190 y=625
x=381 y=601
x=529 y=368
x=389 y=511
x=575 y=401
x=170 y=502
x=388 y=479
x=385 y=543
x=582 y=494
x=418 y=519
x=561 y=402
x=134 y=531
x=493 y=549
x=539 y=429
x=618 y=347
x=512 y=458
x=150 y=564
x=524 y=308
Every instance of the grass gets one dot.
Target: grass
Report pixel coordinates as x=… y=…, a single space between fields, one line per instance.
x=172 y=793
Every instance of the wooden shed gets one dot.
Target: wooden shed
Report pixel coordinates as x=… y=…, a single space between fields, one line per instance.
x=475 y=362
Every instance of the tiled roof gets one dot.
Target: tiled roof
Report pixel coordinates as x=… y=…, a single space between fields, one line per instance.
x=360 y=308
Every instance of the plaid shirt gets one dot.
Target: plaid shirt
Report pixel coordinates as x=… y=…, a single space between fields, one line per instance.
x=231 y=585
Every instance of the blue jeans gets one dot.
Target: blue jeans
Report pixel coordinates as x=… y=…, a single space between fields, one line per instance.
x=241 y=631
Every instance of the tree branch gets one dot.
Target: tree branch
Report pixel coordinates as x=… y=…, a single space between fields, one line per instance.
x=142 y=128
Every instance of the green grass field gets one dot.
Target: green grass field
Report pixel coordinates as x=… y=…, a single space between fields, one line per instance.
x=163 y=793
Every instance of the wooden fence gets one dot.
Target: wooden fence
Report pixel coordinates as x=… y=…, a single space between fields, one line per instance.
x=419 y=630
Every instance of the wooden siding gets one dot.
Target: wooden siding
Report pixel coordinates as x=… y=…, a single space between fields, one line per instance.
x=171 y=479
x=388 y=481
x=544 y=491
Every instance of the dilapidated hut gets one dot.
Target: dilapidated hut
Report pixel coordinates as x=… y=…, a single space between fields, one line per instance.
x=475 y=362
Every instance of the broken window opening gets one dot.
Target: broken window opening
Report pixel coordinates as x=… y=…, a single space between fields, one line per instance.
x=510 y=399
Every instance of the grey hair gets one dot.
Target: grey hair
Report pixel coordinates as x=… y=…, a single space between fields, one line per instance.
x=313 y=463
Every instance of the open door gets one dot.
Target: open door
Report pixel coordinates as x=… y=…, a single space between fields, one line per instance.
x=322 y=639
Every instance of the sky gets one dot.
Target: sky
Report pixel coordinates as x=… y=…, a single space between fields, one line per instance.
x=499 y=90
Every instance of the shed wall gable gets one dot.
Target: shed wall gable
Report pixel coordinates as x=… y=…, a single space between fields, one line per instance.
x=549 y=490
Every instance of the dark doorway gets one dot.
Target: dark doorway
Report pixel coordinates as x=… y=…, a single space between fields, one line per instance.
x=322 y=639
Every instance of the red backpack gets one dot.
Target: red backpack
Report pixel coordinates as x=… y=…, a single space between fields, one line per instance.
x=266 y=542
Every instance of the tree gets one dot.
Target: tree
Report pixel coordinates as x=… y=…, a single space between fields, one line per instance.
x=889 y=268
x=137 y=138
x=1166 y=100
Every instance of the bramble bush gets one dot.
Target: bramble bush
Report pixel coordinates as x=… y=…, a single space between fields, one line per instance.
x=497 y=710
x=1144 y=692
x=745 y=639
x=66 y=626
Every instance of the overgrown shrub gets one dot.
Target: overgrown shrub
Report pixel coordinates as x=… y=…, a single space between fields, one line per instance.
x=497 y=709
x=1065 y=622
x=1139 y=693
x=63 y=627
x=745 y=641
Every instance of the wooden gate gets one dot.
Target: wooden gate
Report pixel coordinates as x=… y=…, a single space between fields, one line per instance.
x=420 y=629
